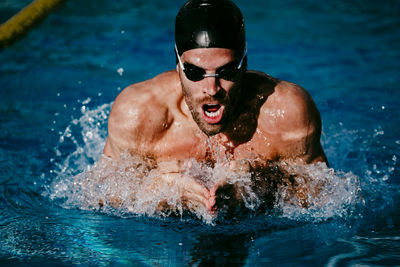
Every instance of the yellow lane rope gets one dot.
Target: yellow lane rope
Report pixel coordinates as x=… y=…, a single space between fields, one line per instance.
x=23 y=21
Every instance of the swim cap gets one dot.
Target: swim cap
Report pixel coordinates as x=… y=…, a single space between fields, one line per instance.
x=210 y=23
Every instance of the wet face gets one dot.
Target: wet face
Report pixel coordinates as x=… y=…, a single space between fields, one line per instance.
x=211 y=100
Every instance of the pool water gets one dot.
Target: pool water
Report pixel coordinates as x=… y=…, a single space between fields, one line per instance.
x=57 y=86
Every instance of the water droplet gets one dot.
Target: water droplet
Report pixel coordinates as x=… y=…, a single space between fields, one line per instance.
x=89 y=134
x=86 y=101
x=378 y=132
x=120 y=71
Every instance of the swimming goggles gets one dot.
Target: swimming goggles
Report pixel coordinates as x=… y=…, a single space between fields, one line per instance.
x=195 y=74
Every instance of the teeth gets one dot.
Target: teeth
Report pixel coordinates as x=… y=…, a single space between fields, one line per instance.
x=213 y=114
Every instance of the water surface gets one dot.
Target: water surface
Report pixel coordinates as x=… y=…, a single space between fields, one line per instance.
x=57 y=86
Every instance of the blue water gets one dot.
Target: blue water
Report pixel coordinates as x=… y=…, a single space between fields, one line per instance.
x=56 y=82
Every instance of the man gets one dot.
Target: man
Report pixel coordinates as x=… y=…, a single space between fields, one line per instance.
x=211 y=108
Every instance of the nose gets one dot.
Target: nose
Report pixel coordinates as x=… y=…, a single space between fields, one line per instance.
x=211 y=86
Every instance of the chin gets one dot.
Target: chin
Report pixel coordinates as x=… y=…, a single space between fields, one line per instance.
x=211 y=130
x=207 y=128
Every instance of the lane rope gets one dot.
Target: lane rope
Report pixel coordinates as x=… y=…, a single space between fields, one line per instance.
x=27 y=18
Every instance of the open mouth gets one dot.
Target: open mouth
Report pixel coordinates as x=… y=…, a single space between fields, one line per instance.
x=212 y=113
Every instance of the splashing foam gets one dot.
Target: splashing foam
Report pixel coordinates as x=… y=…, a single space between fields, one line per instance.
x=321 y=193
x=133 y=186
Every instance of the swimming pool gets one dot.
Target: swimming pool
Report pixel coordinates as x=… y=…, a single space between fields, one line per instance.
x=57 y=86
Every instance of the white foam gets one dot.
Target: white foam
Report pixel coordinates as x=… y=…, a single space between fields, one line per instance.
x=133 y=185
x=324 y=193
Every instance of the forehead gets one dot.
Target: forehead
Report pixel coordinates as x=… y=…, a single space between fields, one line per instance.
x=209 y=57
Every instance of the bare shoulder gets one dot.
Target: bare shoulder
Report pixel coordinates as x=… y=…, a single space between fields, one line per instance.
x=296 y=101
x=139 y=97
x=139 y=114
x=291 y=107
x=290 y=117
x=282 y=106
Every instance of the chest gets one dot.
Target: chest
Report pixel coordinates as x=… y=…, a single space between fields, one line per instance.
x=183 y=140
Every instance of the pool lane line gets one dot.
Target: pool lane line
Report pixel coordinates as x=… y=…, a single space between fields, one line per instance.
x=27 y=18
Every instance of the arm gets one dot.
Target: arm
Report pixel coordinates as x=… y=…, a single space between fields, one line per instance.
x=299 y=143
x=130 y=127
x=291 y=123
x=136 y=124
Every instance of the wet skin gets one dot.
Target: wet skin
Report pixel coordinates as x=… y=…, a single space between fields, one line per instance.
x=252 y=119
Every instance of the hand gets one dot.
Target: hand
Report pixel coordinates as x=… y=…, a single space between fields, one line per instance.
x=236 y=166
x=226 y=197
x=240 y=166
x=193 y=194
x=226 y=191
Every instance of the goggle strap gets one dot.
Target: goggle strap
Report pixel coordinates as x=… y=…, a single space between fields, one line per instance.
x=244 y=55
x=179 y=58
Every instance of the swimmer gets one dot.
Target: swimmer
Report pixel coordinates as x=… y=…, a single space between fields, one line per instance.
x=213 y=107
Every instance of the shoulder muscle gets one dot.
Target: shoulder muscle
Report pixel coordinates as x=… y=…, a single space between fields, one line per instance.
x=138 y=118
x=290 y=115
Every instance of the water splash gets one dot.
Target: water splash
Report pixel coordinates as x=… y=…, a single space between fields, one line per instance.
x=132 y=185
x=321 y=193
x=82 y=141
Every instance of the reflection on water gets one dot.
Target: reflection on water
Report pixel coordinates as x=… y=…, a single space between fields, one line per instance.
x=221 y=250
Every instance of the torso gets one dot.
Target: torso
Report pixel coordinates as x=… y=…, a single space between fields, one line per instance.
x=186 y=142
x=256 y=133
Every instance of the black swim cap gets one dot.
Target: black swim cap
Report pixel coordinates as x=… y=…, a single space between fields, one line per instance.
x=210 y=23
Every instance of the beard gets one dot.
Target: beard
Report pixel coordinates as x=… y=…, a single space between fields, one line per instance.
x=229 y=101
x=208 y=129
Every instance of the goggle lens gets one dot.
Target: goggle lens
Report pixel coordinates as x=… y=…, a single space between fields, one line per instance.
x=196 y=74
